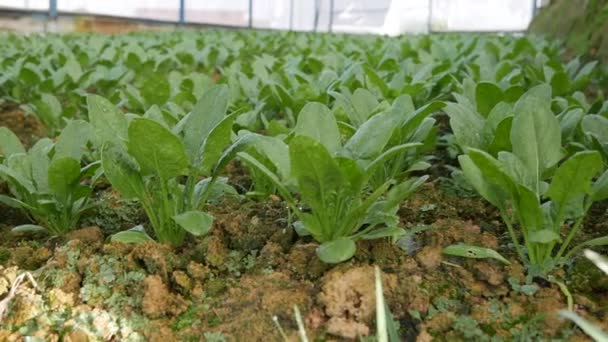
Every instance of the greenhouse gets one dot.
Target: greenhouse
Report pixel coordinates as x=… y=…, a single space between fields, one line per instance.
x=290 y=170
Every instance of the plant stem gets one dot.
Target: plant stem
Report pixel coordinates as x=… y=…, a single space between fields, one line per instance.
x=507 y=221
x=577 y=226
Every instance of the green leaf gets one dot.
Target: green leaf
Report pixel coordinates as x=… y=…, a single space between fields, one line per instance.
x=492 y=171
x=543 y=236
x=383 y=233
x=73 y=140
x=317 y=121
x=251 y=161
x=501 y=140
x=13 y=202
x=596 y=125
x=73 y=69
x=573 y=178
x=239 y=145
x=317 y=174
x=48 y=109
x=487 y=96
x=156 y=149
x=597 y=242
x=122 y=173
x=528 y=205
x=9 y=143
x=560 y=84
x=156 y=89
x=276 y=151
x=215 y=144
x=196 y=223
x=591 y=330
x=474 y=252
x=387 y=155
x=371 y=138
x=109 y=124
x=133 y=235
x=536 y=134
x=208 y=112
x=599 y=190
x=64 y=175
x=336 y=251
x=466 y=124
x=28 y=229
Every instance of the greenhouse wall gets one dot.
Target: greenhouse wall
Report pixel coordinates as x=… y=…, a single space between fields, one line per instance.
x=390 y=17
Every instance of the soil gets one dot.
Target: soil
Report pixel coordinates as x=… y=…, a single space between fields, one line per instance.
x=27 y=127
x=243 y=279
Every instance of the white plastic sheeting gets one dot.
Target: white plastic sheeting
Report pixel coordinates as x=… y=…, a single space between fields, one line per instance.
x=391 y=17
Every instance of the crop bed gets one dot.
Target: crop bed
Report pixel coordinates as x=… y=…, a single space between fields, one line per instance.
x=243 y=186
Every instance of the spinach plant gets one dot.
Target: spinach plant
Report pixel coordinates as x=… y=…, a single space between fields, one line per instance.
x=145 y=159
x=339 y=205
x=47 y=182
x=532 y=189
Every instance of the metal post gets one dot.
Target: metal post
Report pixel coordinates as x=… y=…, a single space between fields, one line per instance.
x=316 y=18
x=53 y=9
x=182 y=12
x=534 y=8
x=291 y=15
x=430 y=23
x=331 y=15
x=250 y=13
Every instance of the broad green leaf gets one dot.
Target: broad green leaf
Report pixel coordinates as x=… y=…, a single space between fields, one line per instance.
x=196 y=223
x=599 y=190
x=156 y=89
x=64 y=175
x=560 y=84
x=516 y=169
x=48 y=109
x=474 y=252
x=573 y=178
x=535 y=133
x=73 y=69
x=487 y=96
x=241 y=144
x=364 y=103
x=316 y=172
x=132 y=235
x=492 y=171
x=371 y=138
x=543 y=236
x=597 y=126
x=208 y=112
x=9 y=143
x=527 y=205
x=466 y=124
x=352 y=173
x=156 y=149
x=109 y=124
x=215 y=144
x=10 y=175
x=39 y=159
x=501 y=140
x=317 y=121
x=122 y=173
x=336 y=251
x=276 y=151
x=72 y=140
